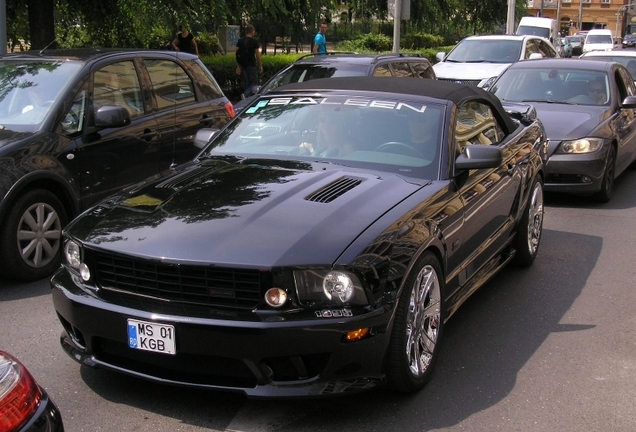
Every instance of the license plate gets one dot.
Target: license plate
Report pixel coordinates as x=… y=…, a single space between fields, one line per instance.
x=151 y=336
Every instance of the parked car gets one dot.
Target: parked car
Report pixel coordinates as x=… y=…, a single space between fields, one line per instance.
x=24 y=404
x=476 y=59
x=335 y=64
x=587 y=108
x=316 y=246
x=563 y=47
x=577 y=44
x=629 y=41
x=625 y=57
x=78 y=125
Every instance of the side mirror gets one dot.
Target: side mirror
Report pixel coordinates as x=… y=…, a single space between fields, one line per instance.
x=629 y=102
x=479 y=157
x=204 y=136
x=111 y=116
x=440 y=56
x=535 y=56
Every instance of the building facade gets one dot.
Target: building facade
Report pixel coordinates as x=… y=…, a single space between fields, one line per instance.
x=578 y=15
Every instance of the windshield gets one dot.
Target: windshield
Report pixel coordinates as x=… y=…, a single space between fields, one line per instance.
x=399 y=136
x=599 y=39
x=489 y=51
x=306 y=72
x=566 y=86
x=28 y=90
x=534 y=31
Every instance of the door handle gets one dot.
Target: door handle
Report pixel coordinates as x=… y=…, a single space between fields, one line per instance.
x=148 y=135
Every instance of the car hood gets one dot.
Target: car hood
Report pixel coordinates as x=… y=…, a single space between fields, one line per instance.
x=243 y=213
x=9 y=137
x=566 y=122
x=468 y=71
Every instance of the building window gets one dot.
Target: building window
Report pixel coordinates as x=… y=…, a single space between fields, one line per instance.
x=566 y=1
x=586 y=1
x=605 y=1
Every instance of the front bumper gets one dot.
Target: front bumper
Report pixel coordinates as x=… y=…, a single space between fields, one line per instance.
x=269 y=357
x=575 y=173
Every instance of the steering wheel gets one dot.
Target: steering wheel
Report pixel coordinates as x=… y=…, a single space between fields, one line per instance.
x=400 y=148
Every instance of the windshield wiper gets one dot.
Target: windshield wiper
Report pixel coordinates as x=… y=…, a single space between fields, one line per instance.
x=551 y=101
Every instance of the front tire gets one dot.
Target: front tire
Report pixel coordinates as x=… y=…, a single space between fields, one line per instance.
x=31 y=238
x=417 y=329
x=526 y=242
x=607 y=186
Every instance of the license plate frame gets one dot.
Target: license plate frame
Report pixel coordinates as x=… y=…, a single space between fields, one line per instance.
x=151 y=336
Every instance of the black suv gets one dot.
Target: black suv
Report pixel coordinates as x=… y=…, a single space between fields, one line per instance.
x=313 y=66
x=78 y=125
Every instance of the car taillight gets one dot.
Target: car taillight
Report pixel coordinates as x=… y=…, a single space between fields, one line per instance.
x=230 y=109
x=20 y=395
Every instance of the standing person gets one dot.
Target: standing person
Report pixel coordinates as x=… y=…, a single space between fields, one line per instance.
x=320 y=41
x=185 y=41
x=248 y=54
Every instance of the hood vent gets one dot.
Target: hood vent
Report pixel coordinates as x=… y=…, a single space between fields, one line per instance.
x=334 y=190
x=182 y=178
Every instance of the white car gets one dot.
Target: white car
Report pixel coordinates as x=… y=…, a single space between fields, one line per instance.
x=476 y=59
x=625 y=57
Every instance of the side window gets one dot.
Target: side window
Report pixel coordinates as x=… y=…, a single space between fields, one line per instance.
x=476 y=125
x=402 y=69
x=531 y=48
x=545 y=49
x=171 y=85
x=382 y=70
x=118 y=84
x=206 y=81
x=627 y=82
x=74 y=120
x=423 y=70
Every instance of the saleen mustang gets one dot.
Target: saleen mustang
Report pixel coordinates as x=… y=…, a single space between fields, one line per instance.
x=316 y=246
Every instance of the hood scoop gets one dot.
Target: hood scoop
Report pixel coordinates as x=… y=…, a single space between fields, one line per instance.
x=334 y=190
x=181 y=179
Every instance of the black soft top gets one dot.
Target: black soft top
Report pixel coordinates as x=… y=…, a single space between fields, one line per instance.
x=445 y=90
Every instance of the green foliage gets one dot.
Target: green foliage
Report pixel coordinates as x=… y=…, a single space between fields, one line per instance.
x=223 y=67
x=367 y=43
x=420 y=40
x=208 y=44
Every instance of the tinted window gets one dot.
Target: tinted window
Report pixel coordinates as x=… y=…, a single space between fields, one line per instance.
x=382 y=70
x=401 y=69
x=118 y=84
x=306 y=72
x=480 y=50
x=476 y=125
x=423 y=70
x=171 y=85
x=28 y=90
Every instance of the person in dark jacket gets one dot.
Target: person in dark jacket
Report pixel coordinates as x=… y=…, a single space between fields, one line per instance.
x=248 y=59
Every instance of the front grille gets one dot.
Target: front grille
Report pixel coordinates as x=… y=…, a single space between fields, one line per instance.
x=181 y=367
x=473 y=83
x=179 y=285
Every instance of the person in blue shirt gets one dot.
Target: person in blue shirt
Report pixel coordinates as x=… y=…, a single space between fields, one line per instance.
x=320 y=41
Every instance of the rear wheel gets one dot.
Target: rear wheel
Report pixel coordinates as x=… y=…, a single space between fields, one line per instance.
x=607 y=186
x=526 y=242
x=417 y=329
x=31 y=237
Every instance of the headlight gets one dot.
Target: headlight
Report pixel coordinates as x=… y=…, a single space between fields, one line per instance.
x=329 y=287
x=585 y=145
x=73 y=254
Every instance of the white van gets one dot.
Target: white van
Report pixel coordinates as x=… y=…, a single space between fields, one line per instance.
x=598 y=40
x=539 y=26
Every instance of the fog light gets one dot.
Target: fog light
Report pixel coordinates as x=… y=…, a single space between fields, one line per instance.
x=355 y=335
x=586 y=179
x=275 y=297
x=85 y=273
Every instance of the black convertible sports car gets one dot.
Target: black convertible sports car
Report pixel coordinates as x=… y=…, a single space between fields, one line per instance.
x=316 y=246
